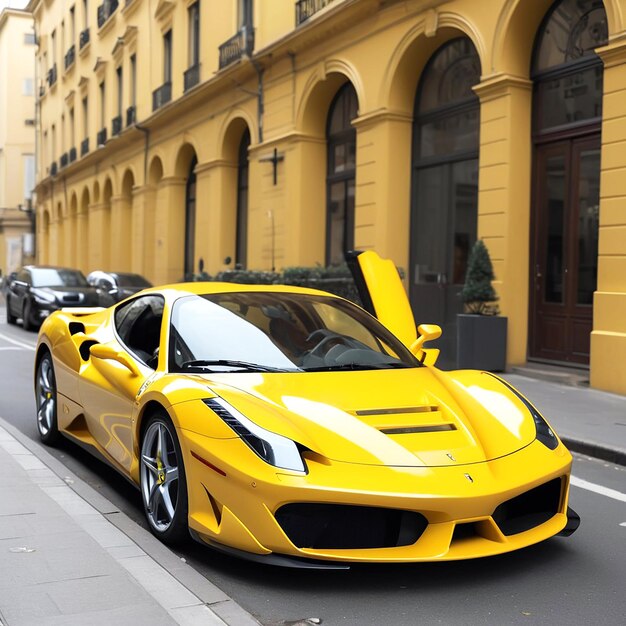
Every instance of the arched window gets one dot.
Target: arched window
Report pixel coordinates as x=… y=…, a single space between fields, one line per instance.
x=567 y=114
x=241 y=244
x=190 y=218
x=341 y=140
x=444 y=194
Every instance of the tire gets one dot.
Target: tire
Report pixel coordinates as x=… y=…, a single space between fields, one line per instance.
x=11 y=319
x=27 y=324
x=47 y=402
x=163 y=481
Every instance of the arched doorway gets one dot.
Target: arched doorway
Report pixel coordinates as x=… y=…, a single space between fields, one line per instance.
x=241 y=236
x=341 y=159
x=190 y=218
x=444 y=187
x=567 y=116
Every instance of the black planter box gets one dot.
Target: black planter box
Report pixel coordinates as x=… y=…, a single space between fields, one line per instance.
x=481 y=342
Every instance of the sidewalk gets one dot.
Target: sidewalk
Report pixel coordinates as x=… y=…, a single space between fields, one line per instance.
x=68 y=556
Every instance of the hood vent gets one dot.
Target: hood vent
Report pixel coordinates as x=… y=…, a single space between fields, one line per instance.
x=433 y=428
x=398 y=411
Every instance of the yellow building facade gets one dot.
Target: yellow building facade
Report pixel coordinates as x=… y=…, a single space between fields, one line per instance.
x=17 y=138
x=177 y=136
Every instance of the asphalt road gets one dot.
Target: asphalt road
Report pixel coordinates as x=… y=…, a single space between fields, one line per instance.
x=579 y=580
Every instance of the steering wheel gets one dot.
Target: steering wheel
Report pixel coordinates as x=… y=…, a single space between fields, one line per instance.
x=322 y=346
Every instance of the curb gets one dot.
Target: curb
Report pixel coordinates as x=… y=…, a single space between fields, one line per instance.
x=595 y=450
x=222 y=605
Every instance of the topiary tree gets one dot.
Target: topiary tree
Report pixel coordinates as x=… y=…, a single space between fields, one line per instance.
x=478 y=294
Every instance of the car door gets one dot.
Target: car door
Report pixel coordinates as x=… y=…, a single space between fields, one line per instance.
x=382 y=293
x=109 y=384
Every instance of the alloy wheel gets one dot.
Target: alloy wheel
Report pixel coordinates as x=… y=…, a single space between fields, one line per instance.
x=46 y=395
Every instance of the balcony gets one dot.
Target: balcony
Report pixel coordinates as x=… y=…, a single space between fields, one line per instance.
x=131 y=115
x=53 y=168
x=192 y=76
x=84 y=146
x=70 y=56
x=306 y=8
x=64 y=160
x=83 y=39
x=238 y=45
x=101 y=137
x=105 y=10
x=116 y=126
x=161 y=96
x=52 y=75
x=72 y=155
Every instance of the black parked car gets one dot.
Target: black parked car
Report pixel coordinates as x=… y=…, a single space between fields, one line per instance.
x=37 y=290
x=115 y=286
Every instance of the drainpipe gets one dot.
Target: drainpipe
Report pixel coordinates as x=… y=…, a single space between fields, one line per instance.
x=260 y=97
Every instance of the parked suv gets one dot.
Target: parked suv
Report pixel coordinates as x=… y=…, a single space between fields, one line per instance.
x=37 y=290
x=115 y=286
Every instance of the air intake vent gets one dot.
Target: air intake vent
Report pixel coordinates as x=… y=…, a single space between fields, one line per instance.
x=397 y=411
x=433 y=428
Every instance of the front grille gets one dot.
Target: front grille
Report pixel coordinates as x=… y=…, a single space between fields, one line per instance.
x=338 y=526
x=71 y=297
x=529 y=509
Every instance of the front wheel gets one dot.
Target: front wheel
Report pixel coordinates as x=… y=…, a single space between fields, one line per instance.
x=46 y=398
x=163 y=481
x=27 y=323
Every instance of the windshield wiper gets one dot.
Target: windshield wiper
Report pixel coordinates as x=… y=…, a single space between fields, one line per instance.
x=355 y=367
x=244 y=365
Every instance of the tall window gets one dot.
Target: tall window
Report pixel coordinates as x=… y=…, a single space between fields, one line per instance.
x=53 y=48
x=190 y=217
x=62 y=133
x=85 y=13
x=167 y=57
x=102 y=105
x=133 y=80
x=244 y=13
x=53 y=143
x=29 y=175
x=72 y=24
x=341 y=139
x=194 y=34
x=85 y=117
x=444 y=198
x=72 y=138
x=241 y=244
x=119 y=76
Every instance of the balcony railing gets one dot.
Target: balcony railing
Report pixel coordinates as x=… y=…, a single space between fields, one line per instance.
x=64 y=160
x=53 y=168
x=306 y=8
x=83 y=39
x=192 y=76
x=161 y=96
x=105 y=10
x=116 y=125
x=101 y=137
x=52 y=75
x=131 y=115
x=238 y=45
x=72 y=155
x=70 y=56
x=84 y=146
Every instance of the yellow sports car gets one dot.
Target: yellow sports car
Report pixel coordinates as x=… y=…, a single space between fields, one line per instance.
x=290 y=426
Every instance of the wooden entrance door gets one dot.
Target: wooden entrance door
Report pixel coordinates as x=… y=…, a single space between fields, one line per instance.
x=565 y=248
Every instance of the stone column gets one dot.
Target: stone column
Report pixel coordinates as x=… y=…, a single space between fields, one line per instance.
x=504 y=197
x=608 y=339
x=170 y=229
x=121 y=226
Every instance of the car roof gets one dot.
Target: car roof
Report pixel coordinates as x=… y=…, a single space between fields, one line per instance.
x=50 y=267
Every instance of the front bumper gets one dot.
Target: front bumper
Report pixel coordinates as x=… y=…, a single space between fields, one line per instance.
x=237 y=505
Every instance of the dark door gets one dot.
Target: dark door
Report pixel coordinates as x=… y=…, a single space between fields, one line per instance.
x=565 y=250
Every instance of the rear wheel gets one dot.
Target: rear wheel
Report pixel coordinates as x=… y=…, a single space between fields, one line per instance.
x=11 y=319
x=163 y=481
x=46 y=398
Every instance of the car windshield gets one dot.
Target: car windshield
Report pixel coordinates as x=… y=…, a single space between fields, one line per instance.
x=271 y=331
x=54 y=277
x=131 y=280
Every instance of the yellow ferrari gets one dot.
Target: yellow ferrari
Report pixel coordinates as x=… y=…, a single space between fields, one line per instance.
x=290 y=426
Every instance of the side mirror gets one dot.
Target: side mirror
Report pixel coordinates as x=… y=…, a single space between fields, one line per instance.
x=427 y=332
x=108 y=353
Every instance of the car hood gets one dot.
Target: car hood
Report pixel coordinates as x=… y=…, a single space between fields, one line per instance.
x=70 y=295
x=413 y=417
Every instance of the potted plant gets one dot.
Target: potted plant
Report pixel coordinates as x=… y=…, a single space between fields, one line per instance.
x=481 y=331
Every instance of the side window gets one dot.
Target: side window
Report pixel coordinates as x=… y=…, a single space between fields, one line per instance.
x=138 y=324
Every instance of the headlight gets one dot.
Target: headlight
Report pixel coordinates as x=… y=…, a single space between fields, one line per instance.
x=544 y=433
x=42 y=297
x=272 y=448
